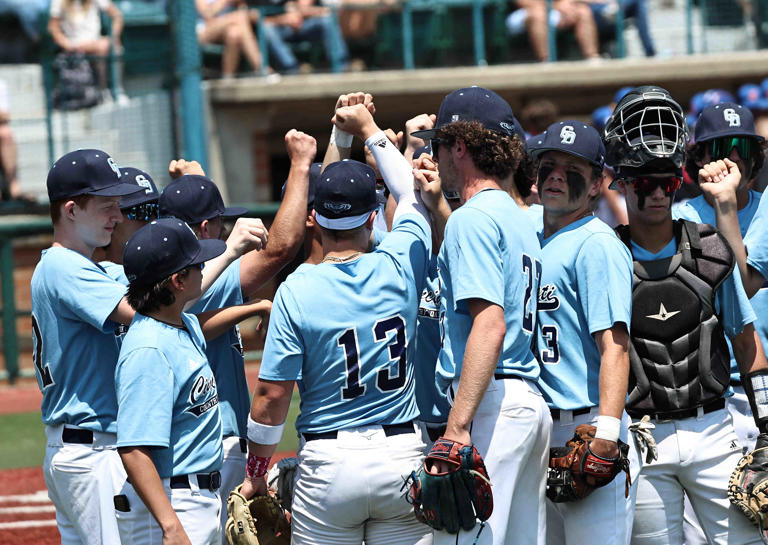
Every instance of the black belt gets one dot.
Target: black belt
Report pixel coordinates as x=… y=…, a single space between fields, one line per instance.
x=575 y=412
x=77 y=435
x=389 y=430
x=206 y=481
x=435 y=433
x=243 y=443
x=684 y=413
x=502 y=376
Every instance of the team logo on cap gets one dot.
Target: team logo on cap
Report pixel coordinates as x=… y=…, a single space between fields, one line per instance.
x=337 y=206
x=454 y=117
x=567 y=135
x=143 y=182
x=733 y=119
x=507 y=127
x=113 y=166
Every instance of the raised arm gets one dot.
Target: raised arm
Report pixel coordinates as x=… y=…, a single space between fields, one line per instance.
x=340 y=143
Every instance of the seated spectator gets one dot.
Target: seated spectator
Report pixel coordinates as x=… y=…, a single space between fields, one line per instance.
x=605 y=17
x=229 y=22
x=303 y=21
x=75 y=26
x=9 y=183
x=565 y=14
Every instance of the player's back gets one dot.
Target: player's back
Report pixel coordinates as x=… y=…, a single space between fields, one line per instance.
x=75 y=348
x=347 y=329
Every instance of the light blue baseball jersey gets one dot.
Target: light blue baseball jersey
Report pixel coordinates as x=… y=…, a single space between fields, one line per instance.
x=75 y=351
x=225 y=353
x=433 y=404
x=731 y=303
x=490 y=252
x=345 y=331
x=586 y=286
x=115 y=271
x=536 y=215
x=167 y=398
x=756 y=242
x=700 y=211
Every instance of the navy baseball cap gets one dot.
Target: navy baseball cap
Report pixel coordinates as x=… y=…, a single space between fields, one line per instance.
x=314 y=175
x=574 y=138
x=422 y=150
x=473 y=104
x=149 y=194
x=163 y=247
x=725 y=119
x=345 y=195
x=86 y=172
x=751 y=96
x=194 y=199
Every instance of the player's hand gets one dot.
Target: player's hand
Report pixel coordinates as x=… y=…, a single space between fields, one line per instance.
x=426 y=180
x=350 y=99
x=247 y=234
x=421 y=122
x=604 y=448
x=175 y=535
x=181 y=167
x=356 y=120
x=301 y=147
x=720 y=180
x=441 y=466
x=253 y=487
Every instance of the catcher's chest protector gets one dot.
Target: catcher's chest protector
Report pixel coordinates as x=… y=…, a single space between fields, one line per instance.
x=678 y=355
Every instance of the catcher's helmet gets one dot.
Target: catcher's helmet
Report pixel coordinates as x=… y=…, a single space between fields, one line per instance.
x=647 y=126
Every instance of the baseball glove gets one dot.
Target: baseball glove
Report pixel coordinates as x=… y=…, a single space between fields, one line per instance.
x=454 y=500
x=575 y=471
x=258 y=521
x=748 y=486
x=280 y=480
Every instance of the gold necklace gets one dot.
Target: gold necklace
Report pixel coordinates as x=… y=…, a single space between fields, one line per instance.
x=335 y=259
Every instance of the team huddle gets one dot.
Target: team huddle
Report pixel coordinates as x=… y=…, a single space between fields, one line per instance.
x=472 y=368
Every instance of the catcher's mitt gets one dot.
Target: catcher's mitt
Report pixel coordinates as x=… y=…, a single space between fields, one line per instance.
x=748 y=486
x=258 y=521
x=280 y=479
x=575 y=471
x=456 y=499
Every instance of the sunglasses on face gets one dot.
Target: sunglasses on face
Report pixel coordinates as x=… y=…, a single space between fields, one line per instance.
x=142 y=212
x=647 y=184
x=720 y=148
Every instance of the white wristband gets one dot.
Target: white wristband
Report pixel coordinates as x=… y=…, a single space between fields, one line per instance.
x=342 y=139
x=263 y=434
x=608 y=428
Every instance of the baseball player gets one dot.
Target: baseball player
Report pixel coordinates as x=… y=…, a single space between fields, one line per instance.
x=584 y=310
x=727 y=131
x=345 y=329
x=490 y=267
x=196 y=200
x=685 y=298
x=77 y=313
x=168 y=421
x=76 y=308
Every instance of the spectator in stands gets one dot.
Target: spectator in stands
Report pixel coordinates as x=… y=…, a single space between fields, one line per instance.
x=9 y=183
x=538 y=114
x=565 y=14
x=28 y=12
x=75 y=26
x=605 y=17
x=303 y=21
x=229 y=22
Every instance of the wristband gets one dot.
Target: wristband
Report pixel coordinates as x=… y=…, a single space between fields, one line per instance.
x=756 y=387
x=608 y=428
x=264 y=434
x=257 y=466
x=341 y=138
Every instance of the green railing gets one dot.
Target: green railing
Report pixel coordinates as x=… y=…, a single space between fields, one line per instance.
x=14 y=227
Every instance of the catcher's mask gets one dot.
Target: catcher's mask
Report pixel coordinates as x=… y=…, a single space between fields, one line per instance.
x=646 y=125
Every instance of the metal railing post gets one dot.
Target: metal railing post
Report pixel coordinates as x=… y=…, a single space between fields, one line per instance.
x=10 y=339
x=407 y=24
x=551 y=34
x=621 y=51
x=479 y=33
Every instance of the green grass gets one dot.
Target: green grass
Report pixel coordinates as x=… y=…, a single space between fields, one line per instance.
x=23 y=443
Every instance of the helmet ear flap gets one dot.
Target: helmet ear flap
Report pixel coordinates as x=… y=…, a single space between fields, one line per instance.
x=647 y=125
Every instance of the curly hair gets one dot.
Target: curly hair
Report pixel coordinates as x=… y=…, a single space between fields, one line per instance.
x=695 y=158
x=492 y=153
